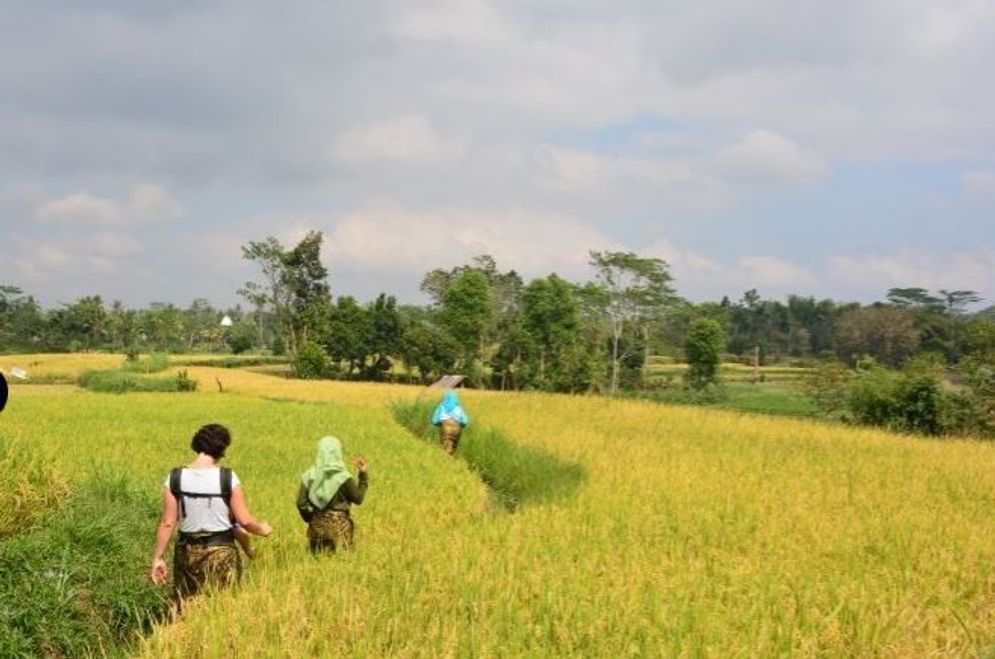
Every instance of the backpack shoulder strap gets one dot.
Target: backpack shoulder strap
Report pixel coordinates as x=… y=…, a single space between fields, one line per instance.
x=174 y=487
x=225 y=475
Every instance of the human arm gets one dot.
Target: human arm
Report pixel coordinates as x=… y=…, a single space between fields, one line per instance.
x=240 y=510
x=242 y=537
x=355 y=493
x=304 y=506
x=160 y=571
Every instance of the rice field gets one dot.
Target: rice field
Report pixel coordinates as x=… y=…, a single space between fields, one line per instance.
x=730 y=372
x=695 y=532
x=46 y=368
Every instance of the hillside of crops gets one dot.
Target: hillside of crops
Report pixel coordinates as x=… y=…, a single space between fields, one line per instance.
x=689 y=532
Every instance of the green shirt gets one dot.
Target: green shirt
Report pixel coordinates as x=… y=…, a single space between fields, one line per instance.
x=349 y=493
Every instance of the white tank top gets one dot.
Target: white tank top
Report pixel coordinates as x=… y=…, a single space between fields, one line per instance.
x=203 y=515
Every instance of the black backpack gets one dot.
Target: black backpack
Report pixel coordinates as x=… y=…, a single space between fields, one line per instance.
x=181 y=496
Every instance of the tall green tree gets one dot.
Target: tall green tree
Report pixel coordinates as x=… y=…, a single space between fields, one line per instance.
x=22 y=322
x=915 y=298
x=386 y=333
x=956 y=302
x=296 y=287
x=348 y=335
x=886 y=333
x=703 y=349
x=429 y=349
x=467 y=310
x=636 y=289
x=552 y=318
x=85 y=321
x=202 y=326
x=123 y=326
x=162 y=324
x=258 y=297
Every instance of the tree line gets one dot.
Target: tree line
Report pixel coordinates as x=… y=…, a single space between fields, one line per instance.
x=503 y=332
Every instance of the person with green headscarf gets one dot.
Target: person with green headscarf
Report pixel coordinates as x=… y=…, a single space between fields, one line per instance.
x=326 y=494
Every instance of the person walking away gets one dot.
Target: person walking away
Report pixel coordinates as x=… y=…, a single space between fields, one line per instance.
x=326 y=494
x=451 y=419
x=204 y=498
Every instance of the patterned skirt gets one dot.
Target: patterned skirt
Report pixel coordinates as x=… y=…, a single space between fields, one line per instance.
x=330 y=530
x=449 y=433
x=198 y=567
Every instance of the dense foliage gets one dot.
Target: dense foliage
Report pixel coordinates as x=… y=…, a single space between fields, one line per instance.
x=916 y=399
x=703 y=349
x=547 y=334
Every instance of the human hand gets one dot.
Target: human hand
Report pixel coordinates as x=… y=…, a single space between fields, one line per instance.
x=264 y=529
x=360 y=464
x=159 y=572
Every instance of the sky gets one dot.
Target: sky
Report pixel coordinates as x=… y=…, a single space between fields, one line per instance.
x=828 y=149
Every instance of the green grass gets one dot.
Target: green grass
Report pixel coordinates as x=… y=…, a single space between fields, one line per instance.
x=78 y=587
x=697 y=532
x=154 y=363
x=121 y=382
x=516 y=474
x=730 y=372
x=771 y=398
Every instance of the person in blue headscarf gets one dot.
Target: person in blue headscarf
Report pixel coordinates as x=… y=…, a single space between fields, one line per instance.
x=450 y=418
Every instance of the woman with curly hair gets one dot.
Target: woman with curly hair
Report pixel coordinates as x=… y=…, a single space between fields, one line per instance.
x=207 y=501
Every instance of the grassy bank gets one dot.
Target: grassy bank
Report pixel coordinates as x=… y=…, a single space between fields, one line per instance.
x=516 y=474
x=76 y=585
x=122 y=382
x=770 y=398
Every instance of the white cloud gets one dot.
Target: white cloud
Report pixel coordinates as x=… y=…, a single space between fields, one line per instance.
x=409 y=138
x=704 y=278
x=777 y=273
x=638 y=114
x=710 y=181
x=963 y=270
x=763 y=156
x=79 y=208
x=149 y=202
x=70 y=259
x=616 y=182
x=467 y=21
x=393 y=239
x=110 y=247
x=145 y=202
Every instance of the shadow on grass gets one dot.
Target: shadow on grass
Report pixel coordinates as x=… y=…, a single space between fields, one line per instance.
x=517 y=475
